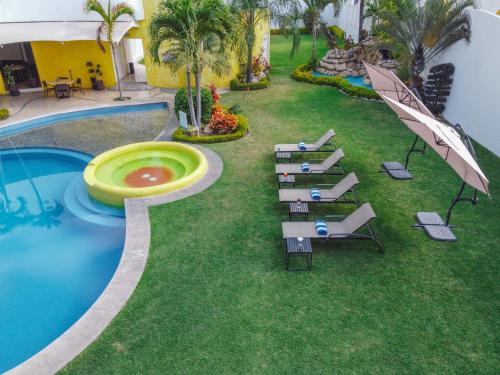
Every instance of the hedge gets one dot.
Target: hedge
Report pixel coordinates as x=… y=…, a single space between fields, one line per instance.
x=236 y=85
x=302 y=73
x=4 y=113
x=181 y=104
x=302 y=30
x=241 y=131
x=337 y=31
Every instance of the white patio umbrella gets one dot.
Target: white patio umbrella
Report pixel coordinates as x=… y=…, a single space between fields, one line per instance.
x=388 y=85
x=448 y=144
x=445 y=141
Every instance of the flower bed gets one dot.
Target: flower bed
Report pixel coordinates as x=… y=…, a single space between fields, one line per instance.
x=240 y=131
x=302 y=73
x=236 y=85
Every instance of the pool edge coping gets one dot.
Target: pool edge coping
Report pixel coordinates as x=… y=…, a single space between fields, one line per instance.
x=106 y=105
x=122 y=285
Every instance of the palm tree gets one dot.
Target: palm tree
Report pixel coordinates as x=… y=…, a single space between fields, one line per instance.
x=250 y=13
x=291 y=13
x=423 y=29
x=197 y=34
x=109 y=19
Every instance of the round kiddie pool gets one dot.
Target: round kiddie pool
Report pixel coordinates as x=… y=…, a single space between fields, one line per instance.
x=143 y=169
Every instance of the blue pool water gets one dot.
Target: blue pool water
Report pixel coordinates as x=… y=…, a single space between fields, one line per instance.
x=355 y=81
x=57 y=251
x=78 y=115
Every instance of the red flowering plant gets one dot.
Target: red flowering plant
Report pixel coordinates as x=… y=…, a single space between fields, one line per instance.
x=260 y=64
x=215 y=94
x=221 y=121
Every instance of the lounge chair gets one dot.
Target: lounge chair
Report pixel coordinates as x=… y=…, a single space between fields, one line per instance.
x=330 y=165
x=334 y=195
x=348 y=228
x=318 y=146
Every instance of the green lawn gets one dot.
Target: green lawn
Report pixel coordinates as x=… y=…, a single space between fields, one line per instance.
x=215 y=297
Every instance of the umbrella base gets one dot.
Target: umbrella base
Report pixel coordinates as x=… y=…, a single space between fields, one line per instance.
x=396 y=170
x=435 y=227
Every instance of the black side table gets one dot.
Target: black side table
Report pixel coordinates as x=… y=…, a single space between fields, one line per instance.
x=294 y=247
x=284 y=155
x=298 y=209
x=286 y=180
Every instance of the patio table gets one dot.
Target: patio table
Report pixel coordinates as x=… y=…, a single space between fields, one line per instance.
x=68 y=82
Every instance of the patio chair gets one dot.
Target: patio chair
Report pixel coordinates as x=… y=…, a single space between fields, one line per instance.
x=317 y=146
x=46 y=89
x=330 y=166
x=78 y=86
x=62 y=91
x=349 y=228
x=336 y=194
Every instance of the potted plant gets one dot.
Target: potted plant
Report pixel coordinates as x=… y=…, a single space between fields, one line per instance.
x=10 y=81
x=95 y=75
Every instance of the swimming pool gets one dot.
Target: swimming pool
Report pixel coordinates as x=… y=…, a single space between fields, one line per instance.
x=355 y=81
x=56 y=254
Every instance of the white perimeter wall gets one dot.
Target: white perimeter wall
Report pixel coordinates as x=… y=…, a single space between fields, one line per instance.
x=348 y=18
x=474 y=101
x=328 y=17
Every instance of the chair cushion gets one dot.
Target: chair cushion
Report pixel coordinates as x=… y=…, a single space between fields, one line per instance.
x=315 y=194
x=321 y=227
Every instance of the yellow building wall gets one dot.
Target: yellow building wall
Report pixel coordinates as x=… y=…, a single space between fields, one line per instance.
x=55 y=59
x=161 y=76
x=2 y=86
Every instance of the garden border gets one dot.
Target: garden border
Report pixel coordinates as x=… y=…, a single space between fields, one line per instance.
x=301 y=73
x=241 y=131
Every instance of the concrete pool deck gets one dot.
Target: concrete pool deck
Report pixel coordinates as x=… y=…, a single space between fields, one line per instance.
x=28 y=106
x=129 y=271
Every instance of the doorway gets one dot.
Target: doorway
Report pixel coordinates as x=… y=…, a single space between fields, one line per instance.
x=22 y=62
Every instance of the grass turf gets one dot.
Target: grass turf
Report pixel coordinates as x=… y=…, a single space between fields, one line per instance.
x=215 y=297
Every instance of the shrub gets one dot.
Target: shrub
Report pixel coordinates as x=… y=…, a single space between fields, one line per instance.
x=235 y=109
x=261 y=65
x=240 y=131
x=181 y=104
x=302 y=30
x=222 y=122
x=236 y=85
x=337 y=31
x=4 y=113
x=302 y=73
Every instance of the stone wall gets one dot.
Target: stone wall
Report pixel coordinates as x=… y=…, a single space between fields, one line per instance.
x=349 y=62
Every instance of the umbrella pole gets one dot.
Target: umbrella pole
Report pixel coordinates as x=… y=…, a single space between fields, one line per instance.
x=414 y=149
x=457 y=199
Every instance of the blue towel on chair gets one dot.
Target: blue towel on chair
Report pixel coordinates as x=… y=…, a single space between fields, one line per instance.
x=315 y=194
x=321 y=228
x=306 y=167
x=302 y=146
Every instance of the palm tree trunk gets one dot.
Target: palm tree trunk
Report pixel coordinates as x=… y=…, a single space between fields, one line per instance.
x=197 y=79
x=417 y=66
x=361 y=19
x=250 y=39
x=314 y=51
x=116 y=71
x=190 y=98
